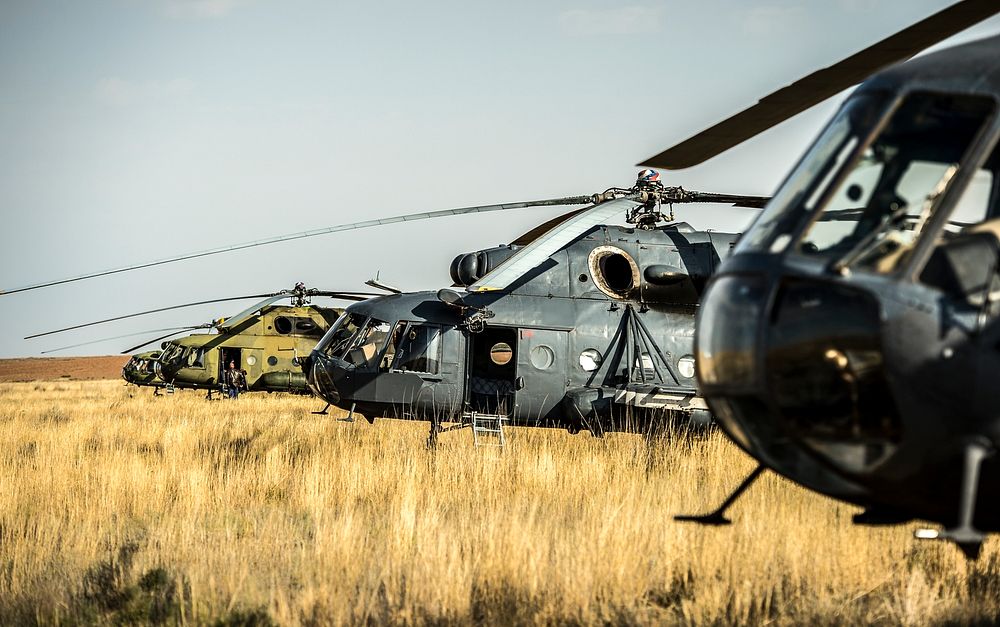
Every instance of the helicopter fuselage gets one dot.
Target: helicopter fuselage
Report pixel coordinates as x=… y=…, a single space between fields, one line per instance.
x=863 y=364
x=267 y=345
x=599 y=337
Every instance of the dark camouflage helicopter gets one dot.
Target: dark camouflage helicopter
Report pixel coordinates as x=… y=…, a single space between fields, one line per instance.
x=850 y=342
x=266 y=340
x=578 y=324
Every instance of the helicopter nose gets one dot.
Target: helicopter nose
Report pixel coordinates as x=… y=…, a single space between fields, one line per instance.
x=319 y=369
x=797 y=360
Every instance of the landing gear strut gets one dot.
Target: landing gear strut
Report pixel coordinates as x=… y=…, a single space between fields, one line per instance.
x=717 y=517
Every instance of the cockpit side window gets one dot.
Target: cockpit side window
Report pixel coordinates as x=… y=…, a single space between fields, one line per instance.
x=964 y=261
x=419 y=349
x=884 y=199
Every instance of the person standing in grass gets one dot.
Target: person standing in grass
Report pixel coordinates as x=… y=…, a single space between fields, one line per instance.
x=235 y=380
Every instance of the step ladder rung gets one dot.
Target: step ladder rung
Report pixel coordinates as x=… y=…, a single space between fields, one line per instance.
x=486 y=426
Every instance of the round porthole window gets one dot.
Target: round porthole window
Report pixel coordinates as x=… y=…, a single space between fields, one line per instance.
x=685 y=366
x=272 y=361
x=542 y=357
x=251 y=360
x=590 y=359
x=501 y=353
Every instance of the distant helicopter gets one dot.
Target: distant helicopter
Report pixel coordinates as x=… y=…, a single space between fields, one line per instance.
x=579 y=324
x=850 y=343
x=266 y=340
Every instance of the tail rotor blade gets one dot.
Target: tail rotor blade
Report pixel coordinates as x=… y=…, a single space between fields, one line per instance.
x=793 y=99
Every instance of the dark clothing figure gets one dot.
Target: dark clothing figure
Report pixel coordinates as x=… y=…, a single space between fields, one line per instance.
x=236 y=380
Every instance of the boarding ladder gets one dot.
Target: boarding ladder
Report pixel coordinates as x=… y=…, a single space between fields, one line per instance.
x=487 y=429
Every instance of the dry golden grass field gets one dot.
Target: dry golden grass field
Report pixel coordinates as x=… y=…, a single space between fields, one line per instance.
x=132 y=509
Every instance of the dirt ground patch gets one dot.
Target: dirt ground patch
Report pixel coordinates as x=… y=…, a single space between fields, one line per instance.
x=66 y=368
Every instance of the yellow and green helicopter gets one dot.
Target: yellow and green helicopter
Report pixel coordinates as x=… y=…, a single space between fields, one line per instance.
x=265 y=341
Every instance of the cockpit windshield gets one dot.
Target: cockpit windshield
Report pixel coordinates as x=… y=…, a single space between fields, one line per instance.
x=864 y=206
x=340 y=335
x=171 y=353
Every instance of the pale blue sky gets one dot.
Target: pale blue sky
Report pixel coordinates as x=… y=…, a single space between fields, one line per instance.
x=138 y=129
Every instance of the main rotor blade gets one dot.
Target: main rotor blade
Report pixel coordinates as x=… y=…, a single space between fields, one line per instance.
x=355 y=296
x=143 y=313
x=174 y=331
x=544 y=228
x=162 y=337
x=751 y=202
x=529 y=257
x=231 y=322
x=569 y=200
x=822 y=84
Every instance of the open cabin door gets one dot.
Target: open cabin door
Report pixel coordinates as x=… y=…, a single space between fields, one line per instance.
x=228 y=355
x=492 y=370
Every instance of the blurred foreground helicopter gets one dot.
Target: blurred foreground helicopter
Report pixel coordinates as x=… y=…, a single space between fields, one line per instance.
x=852 y=341
x=266 y=340
x=578 y=324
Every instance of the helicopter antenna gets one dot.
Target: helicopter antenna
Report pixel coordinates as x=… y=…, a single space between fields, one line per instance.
x=410 y=217
x=374 y=282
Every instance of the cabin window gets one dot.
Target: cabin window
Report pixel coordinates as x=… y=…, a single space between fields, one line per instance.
x=501 y=353
x=420 y=349
x=685 y=366
x=542 y=357
x=395 y=338
x=590 y=359
x=195 y=357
